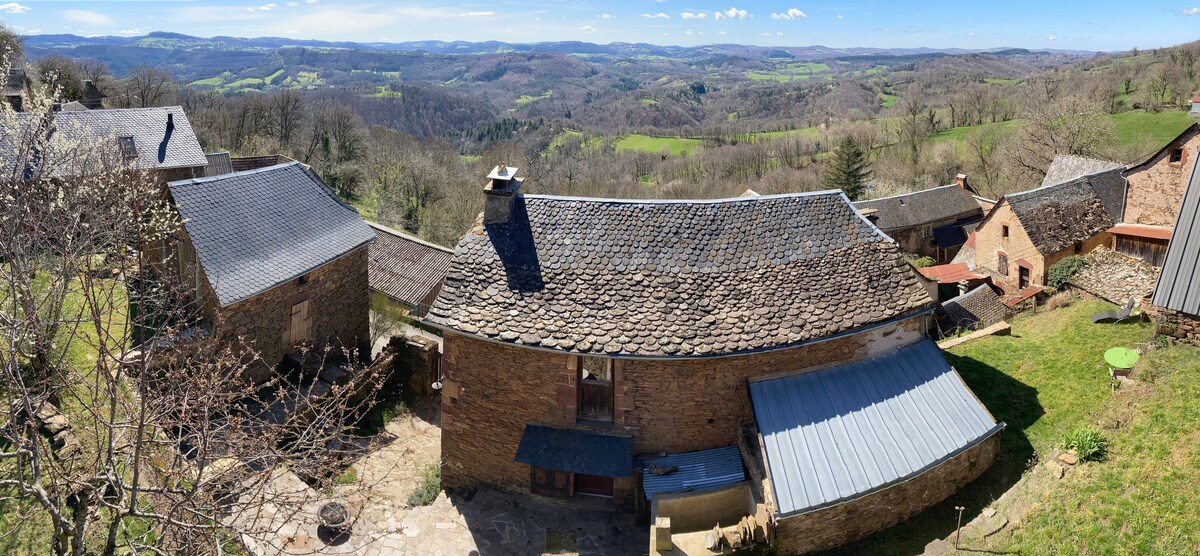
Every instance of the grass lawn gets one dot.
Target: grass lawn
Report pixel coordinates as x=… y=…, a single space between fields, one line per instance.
x=1044 y=380
x=1133 y=127
x=526 y=99
x=678 y=146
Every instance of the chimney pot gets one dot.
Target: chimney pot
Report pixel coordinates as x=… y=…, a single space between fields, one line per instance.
x=498 y=194
x=961 y=181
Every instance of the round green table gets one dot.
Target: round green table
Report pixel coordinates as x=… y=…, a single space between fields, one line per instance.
x=1121 y=358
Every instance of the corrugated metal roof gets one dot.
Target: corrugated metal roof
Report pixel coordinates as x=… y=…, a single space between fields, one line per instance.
x=576 y=451
x=949 y=273
x=839 y=433
x=1179 y=283
x=700 y=470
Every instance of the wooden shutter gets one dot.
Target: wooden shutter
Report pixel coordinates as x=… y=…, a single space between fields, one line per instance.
x=299 y=324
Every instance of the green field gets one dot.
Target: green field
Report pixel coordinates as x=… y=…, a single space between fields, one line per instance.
x=677 y=146
x=650 y=101
x=268 y=79
x=811 y=131
x=382 y=91
x=1150 y=130
x=887 y=100
x=526 y=99
x=791 y=71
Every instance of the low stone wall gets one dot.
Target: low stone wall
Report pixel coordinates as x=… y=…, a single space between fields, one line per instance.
x=834 y=526
x=700 y=511
x=1114 y=277
x=1174 y=324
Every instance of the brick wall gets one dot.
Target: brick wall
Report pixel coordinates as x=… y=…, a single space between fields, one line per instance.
x=338 y=300
x=491 y=391
x=1156 y=190
x=837 y=525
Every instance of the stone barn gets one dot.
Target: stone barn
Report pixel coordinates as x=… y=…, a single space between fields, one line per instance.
x=275 y=259
x=933 y=222
x=591 y=343
x=1175 y=304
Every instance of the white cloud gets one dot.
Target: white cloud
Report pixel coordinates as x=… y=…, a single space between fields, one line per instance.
x=658 y=15
x=720 y=32
x=87 y=16
x=588 y=29
x=133 y=31
x=292 y=4
x=792 y=13
x=311 y=1
x=840 y=16
x=690 y=15
x=731 y=13
x=14 y=8
x=970 y=33
x=691 y=32
x=479 y=14
x=1185 y=11
x=1051 y=37
x=604 y=16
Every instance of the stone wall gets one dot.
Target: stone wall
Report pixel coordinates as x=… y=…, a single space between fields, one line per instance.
x=849 y=521
x=1174 y=324
x=1097 y=241
x=492 y=390
x=915 y=240
x=989 y=243
x=338 y=310
x=1156 y=189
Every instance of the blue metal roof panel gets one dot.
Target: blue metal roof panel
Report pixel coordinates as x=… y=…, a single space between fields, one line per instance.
x=839 y=433
x=1179 y=282
x=576 y=451
x=700 y=470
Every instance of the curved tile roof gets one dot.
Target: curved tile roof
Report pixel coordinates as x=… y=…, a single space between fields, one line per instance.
x=675 y=278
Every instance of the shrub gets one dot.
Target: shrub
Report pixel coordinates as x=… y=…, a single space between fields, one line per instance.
x=431 y=485
x=922 y=262
x=1088 y=444
x=1063 y=270
x=1059 y=300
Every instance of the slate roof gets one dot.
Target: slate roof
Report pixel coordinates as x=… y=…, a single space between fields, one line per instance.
x=258 y=229
x=840 y=433
x=1179 y=282
x=675 y=278
x=14 y=82
x=1055 y=217
x=922 y=207
x=243 y=163
x=576 y=451
x=700 y=470
x=1066 y=167
x=155 y=147
x=406 y=268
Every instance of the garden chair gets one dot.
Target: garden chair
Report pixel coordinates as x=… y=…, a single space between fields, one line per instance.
x=1114 y=316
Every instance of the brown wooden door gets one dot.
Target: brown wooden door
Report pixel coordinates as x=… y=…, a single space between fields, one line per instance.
x=299 y=323
x=1022 y=277
x=546 y=482
x=596 y=400
x=593 y=485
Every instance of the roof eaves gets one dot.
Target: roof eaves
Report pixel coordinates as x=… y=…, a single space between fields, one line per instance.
x=224 y=304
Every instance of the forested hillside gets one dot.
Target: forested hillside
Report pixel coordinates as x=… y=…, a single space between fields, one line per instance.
x=407 y=131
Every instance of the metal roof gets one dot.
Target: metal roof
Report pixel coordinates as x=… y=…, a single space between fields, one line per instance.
x=839 y=433
x=1179 y=283
x=218 y=164
x=258 y=229
x=576 y=451
x=705 y=469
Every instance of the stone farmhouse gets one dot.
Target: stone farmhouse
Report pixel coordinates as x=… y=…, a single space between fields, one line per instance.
x=276 y=260
x=604 y=351
x=1175 y=303
x=1154 y=197
x=406 y=270
x=933 y=222
x=1027 y=232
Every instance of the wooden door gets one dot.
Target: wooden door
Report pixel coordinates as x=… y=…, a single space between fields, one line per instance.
x=595 y=390
x=546 y=482
x=299 y=323
x=593 y=485
x=1022 y=277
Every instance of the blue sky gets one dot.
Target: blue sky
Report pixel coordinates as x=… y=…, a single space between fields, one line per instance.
x=1090 y=25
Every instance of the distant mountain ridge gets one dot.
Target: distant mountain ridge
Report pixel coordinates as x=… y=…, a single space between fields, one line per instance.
x=618 y=49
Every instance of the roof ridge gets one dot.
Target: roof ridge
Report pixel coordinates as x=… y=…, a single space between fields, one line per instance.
x=1045 y=188
x=209 y=179
x=934 y=188
x=613 y=200
x=406 y=236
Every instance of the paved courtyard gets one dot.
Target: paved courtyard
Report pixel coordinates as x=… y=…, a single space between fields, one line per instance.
x=484 y=522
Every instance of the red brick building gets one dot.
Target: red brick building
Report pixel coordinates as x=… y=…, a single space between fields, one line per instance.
x=583 y=336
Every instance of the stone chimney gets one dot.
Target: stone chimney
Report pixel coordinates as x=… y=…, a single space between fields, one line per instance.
x=498 y=194
x=961 y=181
x=93 y=99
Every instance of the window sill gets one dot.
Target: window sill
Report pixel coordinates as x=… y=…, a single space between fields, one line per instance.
x=594 y=424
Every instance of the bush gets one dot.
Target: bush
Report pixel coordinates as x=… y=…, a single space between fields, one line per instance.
x=1064 y=270
x=922 y=262
x=431 y=485
x=1088 y=444
x=1059 y=300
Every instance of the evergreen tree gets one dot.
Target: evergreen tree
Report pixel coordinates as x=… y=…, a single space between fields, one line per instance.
x=849 y=170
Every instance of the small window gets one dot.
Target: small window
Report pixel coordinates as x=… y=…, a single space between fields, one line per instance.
x=302 y=280
x=1002 y=264
x=128 y=148
x=1004 y=231
x=1078 y=247
x=1176 y=155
